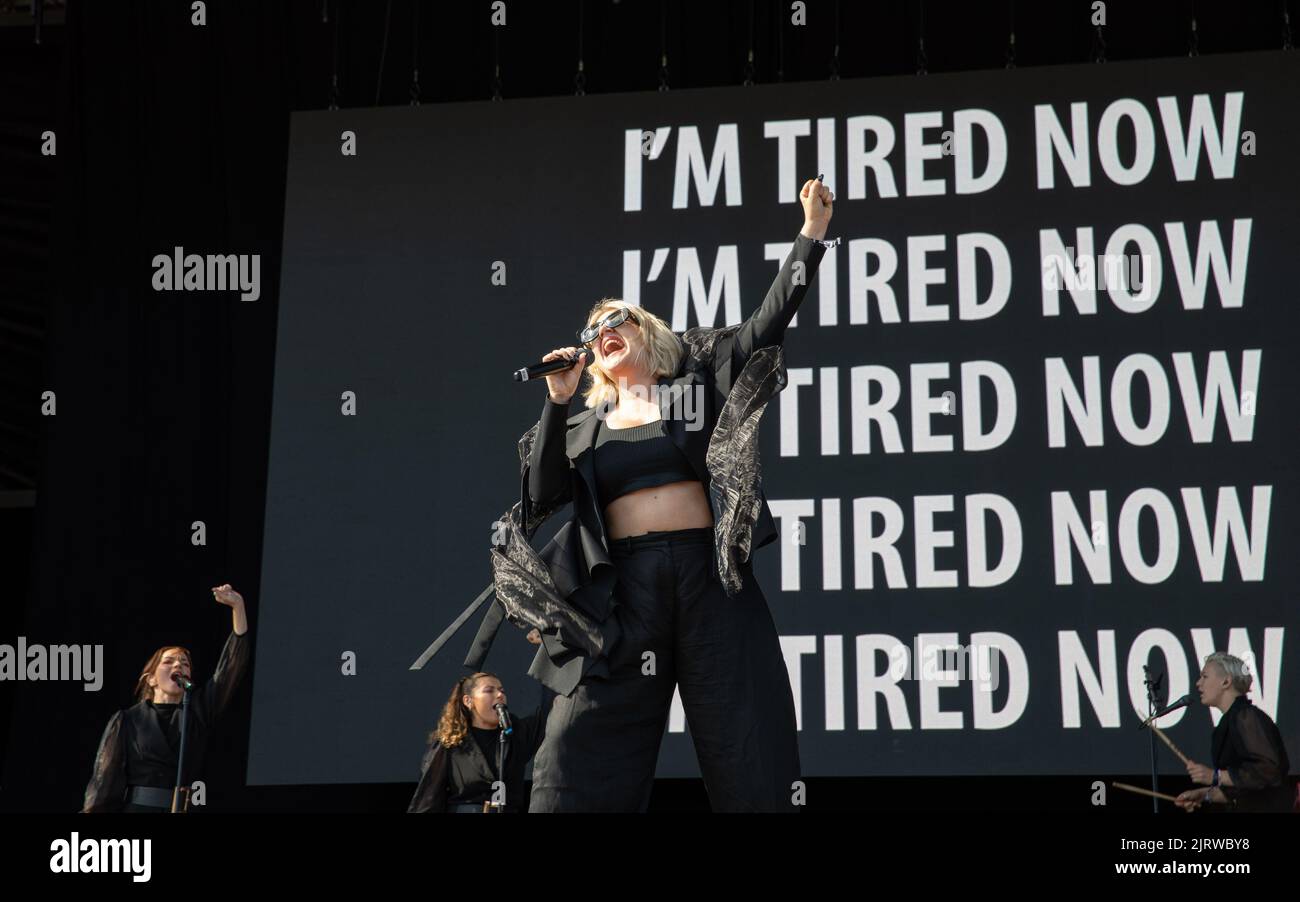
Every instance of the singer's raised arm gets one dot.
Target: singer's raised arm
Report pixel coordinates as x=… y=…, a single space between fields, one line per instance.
x=228 y=674
x=767 y=325
x=235 y=654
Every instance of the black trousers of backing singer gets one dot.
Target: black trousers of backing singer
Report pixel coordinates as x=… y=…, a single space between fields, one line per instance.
x=679 y=629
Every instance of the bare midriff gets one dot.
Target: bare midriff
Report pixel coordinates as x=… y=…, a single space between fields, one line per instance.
x=673 y=505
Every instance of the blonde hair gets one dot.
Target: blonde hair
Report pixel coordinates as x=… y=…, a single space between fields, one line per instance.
x=660 y=352
x=1234 y=669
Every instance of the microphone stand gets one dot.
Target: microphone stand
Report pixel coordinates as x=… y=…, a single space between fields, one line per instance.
x=504 y=722
x=181 y=790
x=501 y=759
x=1153 y=686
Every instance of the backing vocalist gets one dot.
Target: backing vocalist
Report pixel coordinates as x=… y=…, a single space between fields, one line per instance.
x=135 y=768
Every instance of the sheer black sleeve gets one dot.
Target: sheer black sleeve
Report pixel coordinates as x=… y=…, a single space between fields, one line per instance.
x=230 y=670
x=431 y=792
x=1262 y=763
x=107 y=786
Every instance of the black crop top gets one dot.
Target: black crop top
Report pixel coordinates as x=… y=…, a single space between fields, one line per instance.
x=637 y=458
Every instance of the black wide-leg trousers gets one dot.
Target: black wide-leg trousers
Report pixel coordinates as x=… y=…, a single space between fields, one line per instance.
x=679 y=629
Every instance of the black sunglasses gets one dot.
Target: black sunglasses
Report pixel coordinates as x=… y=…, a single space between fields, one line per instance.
x=614 y=320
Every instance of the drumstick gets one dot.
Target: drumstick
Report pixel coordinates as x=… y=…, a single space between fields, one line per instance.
x=1144 y=792
x=1167 y=741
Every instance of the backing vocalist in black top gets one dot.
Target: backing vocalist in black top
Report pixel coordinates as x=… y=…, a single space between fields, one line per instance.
x=1250 y=761
x=460 y=772
x=135 y=768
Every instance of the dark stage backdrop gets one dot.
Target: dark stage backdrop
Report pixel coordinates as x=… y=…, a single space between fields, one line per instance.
x=1060 y=480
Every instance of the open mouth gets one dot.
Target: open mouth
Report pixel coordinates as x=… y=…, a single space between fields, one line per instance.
x=611 y=345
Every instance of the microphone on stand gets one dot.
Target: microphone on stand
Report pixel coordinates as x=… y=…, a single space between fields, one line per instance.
x=182 y=682
x=1172 y=706
x=538 y=370
x=503 y=718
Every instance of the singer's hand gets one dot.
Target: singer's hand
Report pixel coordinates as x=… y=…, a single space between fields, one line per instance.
x=818 y=205
x=1200 y=773
x=227 y=596
x=563 y=384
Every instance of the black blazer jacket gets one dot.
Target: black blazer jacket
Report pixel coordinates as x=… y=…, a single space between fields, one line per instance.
x=565 y=589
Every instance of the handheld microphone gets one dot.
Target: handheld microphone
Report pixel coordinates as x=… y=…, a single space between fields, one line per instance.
x=1172 y=706
x=503 y=718
x=538 y=370
x=182 y=682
